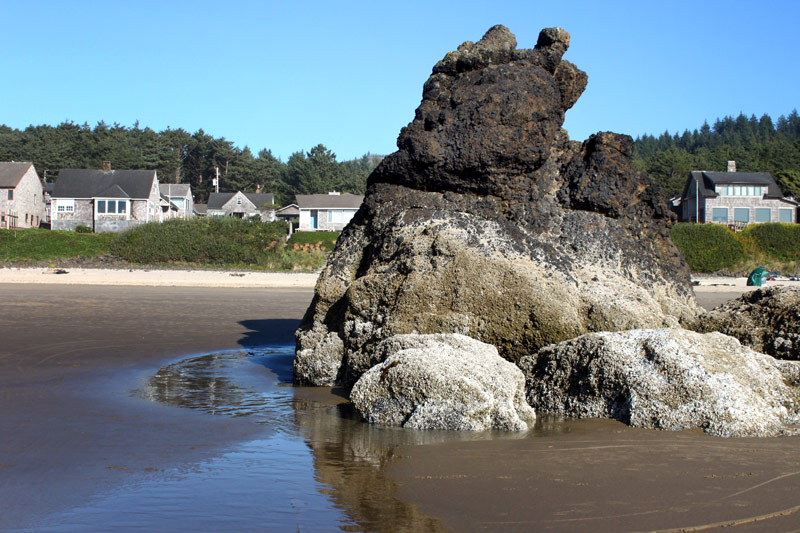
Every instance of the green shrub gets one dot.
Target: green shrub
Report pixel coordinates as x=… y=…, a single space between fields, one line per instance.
x=45 y=245
x=707 y=247
x=775 y=240
x=83 y=229
x=325 y=240
x=214 y=241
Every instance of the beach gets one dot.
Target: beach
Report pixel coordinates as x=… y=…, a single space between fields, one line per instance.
x=72 y=353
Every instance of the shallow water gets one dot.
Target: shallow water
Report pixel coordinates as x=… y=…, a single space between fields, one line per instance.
x=314 y=467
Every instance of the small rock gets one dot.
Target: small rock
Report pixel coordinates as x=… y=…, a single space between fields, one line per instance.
x=766 y=319
x=443 y=382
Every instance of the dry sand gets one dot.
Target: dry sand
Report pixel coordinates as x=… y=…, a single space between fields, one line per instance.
x=141 y=277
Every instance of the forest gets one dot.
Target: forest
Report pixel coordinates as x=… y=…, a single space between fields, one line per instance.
x=183 y=157
x=756 y=144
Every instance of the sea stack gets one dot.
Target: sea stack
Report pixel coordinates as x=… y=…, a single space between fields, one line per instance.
x=490 y=223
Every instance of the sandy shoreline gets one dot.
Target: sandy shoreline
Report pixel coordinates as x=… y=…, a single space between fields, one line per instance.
x=152 y=277
x=144 y=277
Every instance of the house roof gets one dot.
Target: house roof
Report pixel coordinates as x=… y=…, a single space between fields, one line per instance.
x=200 y=209
x=288 y=210
x=11 y=173
x=90 y=183
x=707 y=182
x=174 y=189
x=218 y=199
x=329 y=201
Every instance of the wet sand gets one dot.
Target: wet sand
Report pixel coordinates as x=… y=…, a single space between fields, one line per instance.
x=71 y=354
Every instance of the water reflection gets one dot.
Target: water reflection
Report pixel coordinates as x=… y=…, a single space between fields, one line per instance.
x=350 y=457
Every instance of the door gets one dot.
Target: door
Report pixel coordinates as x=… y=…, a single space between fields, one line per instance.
x=314 y=217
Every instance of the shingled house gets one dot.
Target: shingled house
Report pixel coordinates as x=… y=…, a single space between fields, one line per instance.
x=21 y=197
x=241 y=205
x=735 y=199
x=105 y=200
x=179 y=195
x=327 y=212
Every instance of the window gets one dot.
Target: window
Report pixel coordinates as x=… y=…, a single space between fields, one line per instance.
x=741 y=214
x=178 y=202
x=334 y=215
x=10 y=194
x=238 y=200
x=786 y=215
x=739 y=190
x=111 y=207
x=720 y=214
x=763 y=214
x=65 y=206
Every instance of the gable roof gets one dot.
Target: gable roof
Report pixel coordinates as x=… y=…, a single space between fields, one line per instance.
x=288 y=210
x=218 y=199
x=90 y=183
x=11 y=173
x=707 y=182
x=329 y=201
x=174 y=189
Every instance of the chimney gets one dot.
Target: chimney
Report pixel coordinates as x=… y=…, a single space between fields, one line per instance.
x=731 y=167
x=106 y=166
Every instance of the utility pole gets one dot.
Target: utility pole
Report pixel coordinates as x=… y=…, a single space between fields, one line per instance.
x=696 y=200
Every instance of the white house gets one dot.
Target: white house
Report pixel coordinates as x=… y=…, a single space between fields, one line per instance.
x=327 y=212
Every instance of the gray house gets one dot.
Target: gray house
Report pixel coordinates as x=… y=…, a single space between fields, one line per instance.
x=106 y=200
x=21 y=198
x=241 y=205
x=735 y=199
x=179 y=196
x=327 y=212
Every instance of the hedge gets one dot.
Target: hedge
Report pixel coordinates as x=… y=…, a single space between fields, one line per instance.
x=776 y=240
x=707 y=247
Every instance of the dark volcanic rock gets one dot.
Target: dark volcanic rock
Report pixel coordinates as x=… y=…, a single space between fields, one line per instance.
x=766 y=319
x=488 y=221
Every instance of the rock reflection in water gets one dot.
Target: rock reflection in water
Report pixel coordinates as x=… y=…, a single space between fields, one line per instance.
x=233 y=383
x=350 y=458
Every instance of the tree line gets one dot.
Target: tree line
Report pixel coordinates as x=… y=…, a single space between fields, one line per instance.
x=183 y=157
x=756 y=144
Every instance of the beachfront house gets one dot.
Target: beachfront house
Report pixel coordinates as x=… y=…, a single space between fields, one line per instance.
x=106 y=200
x=326 y=212
x=21 y=196
x=179 y=198
x=241 y=205
x=735 y=199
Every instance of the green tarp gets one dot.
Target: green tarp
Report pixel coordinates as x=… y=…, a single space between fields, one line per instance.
x=756 y=277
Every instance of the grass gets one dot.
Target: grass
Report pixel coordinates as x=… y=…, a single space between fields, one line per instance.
x=46 y=245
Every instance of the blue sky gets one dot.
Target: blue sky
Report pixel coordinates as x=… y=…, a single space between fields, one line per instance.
x=289 y=75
